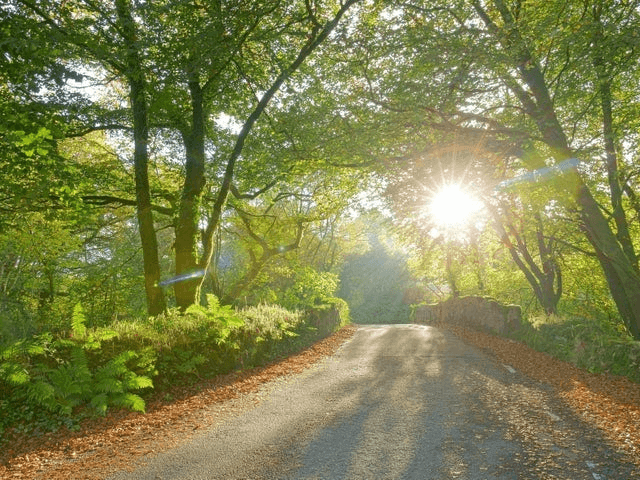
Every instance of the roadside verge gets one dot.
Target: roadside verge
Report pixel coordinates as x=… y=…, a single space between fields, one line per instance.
x=105 y=445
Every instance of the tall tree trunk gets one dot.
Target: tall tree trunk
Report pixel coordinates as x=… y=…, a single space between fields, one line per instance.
x=550 y=276
x=622 y=277
x=187 y=231
x=611 y=156
x=476 y=260
x=137 y=95
x=451 y=276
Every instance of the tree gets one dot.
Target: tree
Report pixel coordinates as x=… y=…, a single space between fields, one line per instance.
x=509 y=75
x=178 y=83
x=621 y=270
x=317 y=30
x=545 y=278
x=138 y=87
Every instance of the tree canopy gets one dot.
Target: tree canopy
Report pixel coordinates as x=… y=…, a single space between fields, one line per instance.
x=175 y=149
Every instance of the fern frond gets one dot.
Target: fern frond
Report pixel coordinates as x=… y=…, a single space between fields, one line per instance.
x=129 y=400
x=14 y=350
x=197 y=310
x=100 y=403
x=64 y=382
x=104 y=335
x=78 y=321
x=124 y=357
x=13 y=373
x=108 y=385
x=41 y=392
x=233 y=321
x=65 y=343
x=213 y=303
x=91 y=343
x=79 y=358
x=138 y=382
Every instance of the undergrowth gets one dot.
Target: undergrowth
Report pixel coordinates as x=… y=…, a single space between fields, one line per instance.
x=597 y=345
x=51 y=380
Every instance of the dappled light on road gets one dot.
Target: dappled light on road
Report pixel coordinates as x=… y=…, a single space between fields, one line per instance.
x=398 y=402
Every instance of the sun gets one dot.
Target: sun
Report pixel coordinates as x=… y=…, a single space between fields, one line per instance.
x=452 y=208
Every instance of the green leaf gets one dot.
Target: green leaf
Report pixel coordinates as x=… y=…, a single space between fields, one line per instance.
x=41 y=392
x=109 y=385
x=138 y=382
x=44 y=133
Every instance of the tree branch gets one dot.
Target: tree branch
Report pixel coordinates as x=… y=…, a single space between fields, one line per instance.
x=111 y=126
x=103 y=200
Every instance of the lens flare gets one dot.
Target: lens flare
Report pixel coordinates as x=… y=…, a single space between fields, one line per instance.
x=181 y=278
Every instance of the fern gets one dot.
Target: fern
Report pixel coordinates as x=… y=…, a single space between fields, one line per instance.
x=14 y=373
x=67 y=383
x=80 y=364
x=78 y=321
x=43 y=393
x=131 y=401
x=123 y=358
x=105 y=335
x=100 y=403
x=138 y=382
x=108 y=385
x=73 y=381
x=197 y=310
x=189 y=361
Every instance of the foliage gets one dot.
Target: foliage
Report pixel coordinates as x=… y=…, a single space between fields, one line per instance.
x=310 y=288
x=61 y=373
x=421 y=93
x=329 y=316
x=270 y=331
x=48 y=381
x=34 y=290
x=595 y=344
x=185 y=345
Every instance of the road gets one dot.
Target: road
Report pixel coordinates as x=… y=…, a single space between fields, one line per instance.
x=396 y=402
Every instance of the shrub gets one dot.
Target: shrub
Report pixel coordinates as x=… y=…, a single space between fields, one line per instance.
x=45 y=380
x=310 y=288
x=329 y=316
x=270 y=331
x=186 y=345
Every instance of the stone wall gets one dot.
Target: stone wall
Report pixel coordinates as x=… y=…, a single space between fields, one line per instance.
x=475 y=312
x=325 y=318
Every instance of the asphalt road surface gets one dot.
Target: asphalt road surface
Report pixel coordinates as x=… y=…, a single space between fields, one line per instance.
x=396 y=402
